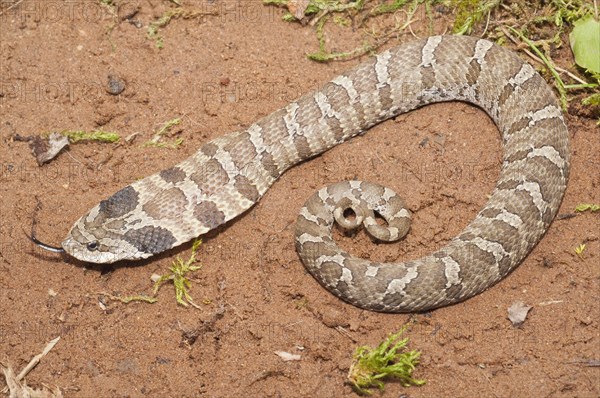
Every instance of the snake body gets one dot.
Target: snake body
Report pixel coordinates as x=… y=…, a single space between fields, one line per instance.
x=231 y=173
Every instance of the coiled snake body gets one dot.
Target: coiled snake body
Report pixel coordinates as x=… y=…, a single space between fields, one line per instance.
x=231 y=173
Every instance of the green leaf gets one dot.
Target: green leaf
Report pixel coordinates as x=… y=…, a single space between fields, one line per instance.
x=585 y=43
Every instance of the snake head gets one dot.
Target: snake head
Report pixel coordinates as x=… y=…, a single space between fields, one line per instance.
x=115 y=230
x=94 y=240
x=95 y=245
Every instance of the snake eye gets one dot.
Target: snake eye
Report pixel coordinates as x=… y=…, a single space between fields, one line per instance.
x=92 y=246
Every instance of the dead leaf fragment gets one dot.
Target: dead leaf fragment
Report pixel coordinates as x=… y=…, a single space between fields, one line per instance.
x=20 y=389
x=595 y=363
x=44 y=151
x=297 y=8
x=286 y=356
x=518 y=312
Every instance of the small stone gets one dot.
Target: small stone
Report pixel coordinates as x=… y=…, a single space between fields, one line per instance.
x=333 y=318
x=116 y=85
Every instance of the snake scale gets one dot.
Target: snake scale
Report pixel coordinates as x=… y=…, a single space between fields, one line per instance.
x=231 y=173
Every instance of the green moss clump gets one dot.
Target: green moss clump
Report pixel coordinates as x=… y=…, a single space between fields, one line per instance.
x=372 y=365
x=96 y=135
x=178 y=275
x=587 y=206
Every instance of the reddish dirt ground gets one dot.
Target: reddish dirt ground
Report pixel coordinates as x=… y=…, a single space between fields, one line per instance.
x=219 y=73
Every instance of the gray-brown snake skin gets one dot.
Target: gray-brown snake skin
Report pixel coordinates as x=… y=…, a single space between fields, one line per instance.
x=231 y=173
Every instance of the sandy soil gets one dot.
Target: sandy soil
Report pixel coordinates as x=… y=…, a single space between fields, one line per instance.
x=219 y=73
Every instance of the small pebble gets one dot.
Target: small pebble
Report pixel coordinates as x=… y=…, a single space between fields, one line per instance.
x=115 y=85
